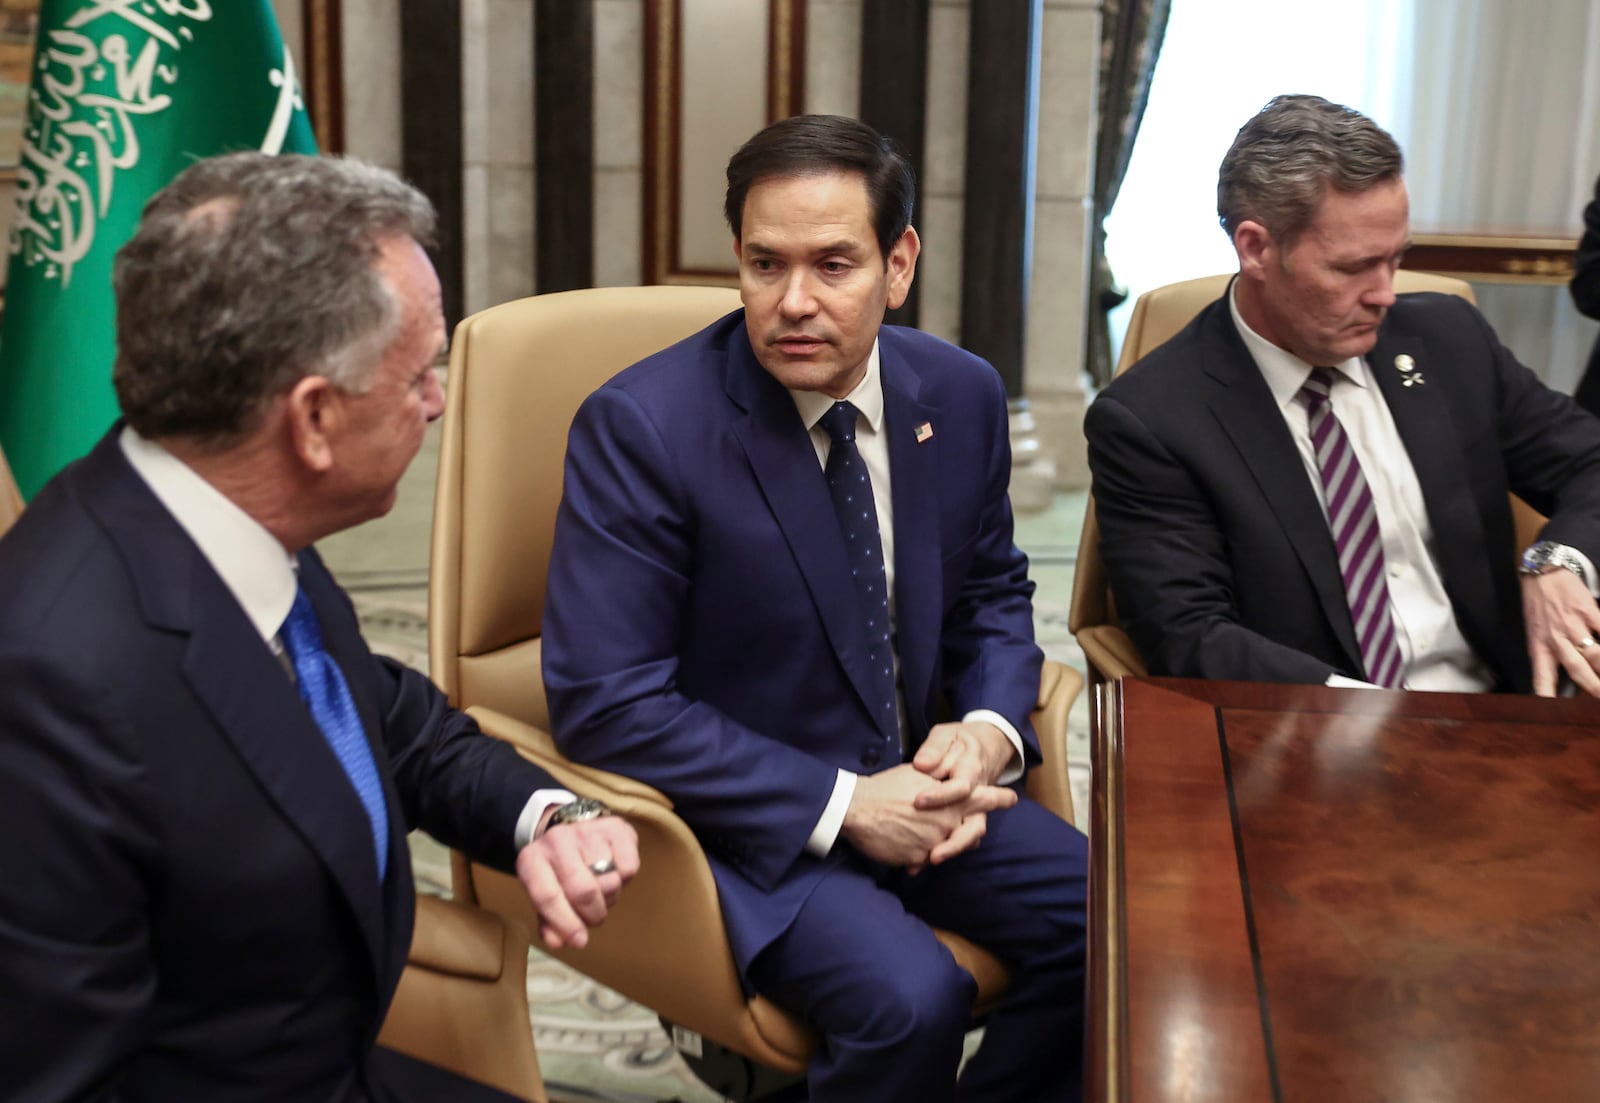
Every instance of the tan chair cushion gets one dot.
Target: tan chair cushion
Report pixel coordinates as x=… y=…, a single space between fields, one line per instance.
x=10 y=497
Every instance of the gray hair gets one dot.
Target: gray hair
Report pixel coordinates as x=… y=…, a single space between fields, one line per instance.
x=1290 y=153
x=247 y=273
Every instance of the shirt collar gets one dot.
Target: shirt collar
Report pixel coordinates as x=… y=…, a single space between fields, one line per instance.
x=252 y=564
x=867 y=397
x=1284 y=372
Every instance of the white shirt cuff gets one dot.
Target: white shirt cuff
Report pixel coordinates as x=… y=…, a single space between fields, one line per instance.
x=1591 y=578
x=1339 y=681
x=827 y=829
x=534 y=810
x=1013 y=770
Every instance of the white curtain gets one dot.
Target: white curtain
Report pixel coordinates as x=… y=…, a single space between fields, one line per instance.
x=1495 y=102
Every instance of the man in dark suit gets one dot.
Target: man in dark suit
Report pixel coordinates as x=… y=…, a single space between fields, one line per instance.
x=205 y=891
x=1585 y=288
x=776 y=654
x=1310 y=482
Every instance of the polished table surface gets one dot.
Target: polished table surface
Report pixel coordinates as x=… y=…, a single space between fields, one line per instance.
x=1302 y=893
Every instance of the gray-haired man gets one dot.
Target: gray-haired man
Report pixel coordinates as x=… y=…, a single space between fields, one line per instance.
x=205 y=892
x=1310 y=482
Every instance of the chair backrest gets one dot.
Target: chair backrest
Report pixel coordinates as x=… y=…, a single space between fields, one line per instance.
x=1157 y=317
x=10 y=496
x=518 y=373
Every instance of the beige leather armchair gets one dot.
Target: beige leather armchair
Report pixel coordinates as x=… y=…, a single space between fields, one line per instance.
x=10 y=497
x=517 y=375
x=462 y=1003
x=1157 y=317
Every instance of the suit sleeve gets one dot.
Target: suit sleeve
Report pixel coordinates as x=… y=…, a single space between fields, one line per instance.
x=1167 y=560
x=462 y=787
x=990 y=658
x=77 y=978
x=615 y=611
x=1585 y=284
x=1550 y=446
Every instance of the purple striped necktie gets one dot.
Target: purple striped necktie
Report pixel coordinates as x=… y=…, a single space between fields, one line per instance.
x=1354 y=522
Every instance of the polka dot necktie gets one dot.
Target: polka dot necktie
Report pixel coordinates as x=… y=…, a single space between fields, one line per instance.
x=851 y=489
x=323 y=688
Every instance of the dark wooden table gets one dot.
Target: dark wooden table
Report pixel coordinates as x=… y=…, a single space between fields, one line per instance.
x=1302 y=893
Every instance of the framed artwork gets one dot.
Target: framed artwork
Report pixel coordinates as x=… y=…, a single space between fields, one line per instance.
x=715 y=72
x=19 y=24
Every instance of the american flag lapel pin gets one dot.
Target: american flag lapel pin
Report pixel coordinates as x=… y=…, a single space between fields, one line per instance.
x=924 y=432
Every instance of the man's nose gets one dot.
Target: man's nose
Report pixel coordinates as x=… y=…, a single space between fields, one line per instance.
x=798 y=300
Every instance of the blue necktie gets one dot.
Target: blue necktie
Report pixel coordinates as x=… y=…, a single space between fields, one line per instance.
x=322 y=686
x=851 y=489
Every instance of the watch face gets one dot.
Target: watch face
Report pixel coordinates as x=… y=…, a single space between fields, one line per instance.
x=584 y=808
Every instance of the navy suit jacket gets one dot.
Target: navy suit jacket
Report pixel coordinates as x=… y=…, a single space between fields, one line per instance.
x=702 y=631
x=1219 y=557
x=189 y=902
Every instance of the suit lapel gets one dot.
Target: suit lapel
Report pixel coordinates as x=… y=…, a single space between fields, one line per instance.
x=1244 y=406
x=913 y=477
x=242 y=685
x=1423 y=419
x=785 y=465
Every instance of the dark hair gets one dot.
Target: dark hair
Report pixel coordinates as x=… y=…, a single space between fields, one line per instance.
x=1286 y=157
x=817 y=145
x=248 y=272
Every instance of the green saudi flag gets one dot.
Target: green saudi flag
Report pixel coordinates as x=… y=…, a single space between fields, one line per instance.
x=124 y=94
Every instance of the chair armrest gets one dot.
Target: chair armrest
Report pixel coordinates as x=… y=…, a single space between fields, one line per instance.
x=624 y=795
x=663 y=945
x=1110 y=654
x=462 y=1003
x=1048 y=782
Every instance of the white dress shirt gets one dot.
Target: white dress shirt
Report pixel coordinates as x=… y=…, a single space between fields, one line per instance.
x=1434 y=653
x=252 y=564
x=872 y=443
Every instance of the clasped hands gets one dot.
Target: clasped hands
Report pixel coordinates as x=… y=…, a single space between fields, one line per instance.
x=936 y=806
x=574 y=873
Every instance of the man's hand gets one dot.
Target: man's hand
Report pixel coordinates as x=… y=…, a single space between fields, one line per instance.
x=887 y=823
x=1562 y=622
x=976 y=753
x=557 y=870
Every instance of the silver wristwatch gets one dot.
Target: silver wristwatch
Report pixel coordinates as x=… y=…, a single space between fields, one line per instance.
x=584 y=808
x=1547 y=555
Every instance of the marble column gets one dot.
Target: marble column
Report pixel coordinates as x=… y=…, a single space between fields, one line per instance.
x=497 y=151
x=1053 y=352
x=618 y=142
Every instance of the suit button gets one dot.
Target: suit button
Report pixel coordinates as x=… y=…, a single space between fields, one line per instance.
x=870 y=756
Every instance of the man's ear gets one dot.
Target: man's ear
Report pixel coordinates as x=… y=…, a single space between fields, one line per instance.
x=314 y=411
x=1256 y=249
x=902 y=266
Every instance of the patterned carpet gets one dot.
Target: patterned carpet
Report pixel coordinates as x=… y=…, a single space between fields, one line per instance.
x=594 y=1044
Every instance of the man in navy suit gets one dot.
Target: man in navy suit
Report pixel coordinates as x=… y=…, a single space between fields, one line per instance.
x=778 y=655
x=205 y=890
x=1221 y=491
